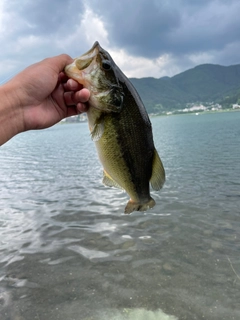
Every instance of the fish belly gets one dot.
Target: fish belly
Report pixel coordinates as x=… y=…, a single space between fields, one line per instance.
x=126 y=163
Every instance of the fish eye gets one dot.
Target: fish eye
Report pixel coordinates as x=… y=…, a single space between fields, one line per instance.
x=106 y=65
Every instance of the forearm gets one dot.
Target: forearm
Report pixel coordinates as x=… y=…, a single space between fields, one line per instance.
x=10 y=113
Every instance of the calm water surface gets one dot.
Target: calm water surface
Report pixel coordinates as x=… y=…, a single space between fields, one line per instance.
x=68 y=252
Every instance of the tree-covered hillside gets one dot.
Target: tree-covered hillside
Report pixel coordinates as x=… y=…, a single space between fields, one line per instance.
x=204 y=83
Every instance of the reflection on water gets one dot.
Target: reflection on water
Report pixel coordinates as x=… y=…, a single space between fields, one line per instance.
x=67 y=251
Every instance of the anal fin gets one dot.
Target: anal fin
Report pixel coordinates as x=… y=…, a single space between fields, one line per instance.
x=158 y=173
x=108 y=181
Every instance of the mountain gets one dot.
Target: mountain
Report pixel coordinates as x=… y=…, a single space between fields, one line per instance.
x=204 y=83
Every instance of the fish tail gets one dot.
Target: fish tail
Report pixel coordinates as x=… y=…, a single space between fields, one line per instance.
x=137 y=206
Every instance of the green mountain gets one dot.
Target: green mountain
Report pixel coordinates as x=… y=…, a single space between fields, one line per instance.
x=204 y=83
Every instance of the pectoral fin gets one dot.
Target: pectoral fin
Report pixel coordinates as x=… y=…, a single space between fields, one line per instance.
x=108 y=181
x=97 y=130
x=158 y=173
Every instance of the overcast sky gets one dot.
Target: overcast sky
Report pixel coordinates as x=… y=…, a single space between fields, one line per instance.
x=145 y=37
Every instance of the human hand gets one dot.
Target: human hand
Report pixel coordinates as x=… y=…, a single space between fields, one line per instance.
x=46 y=95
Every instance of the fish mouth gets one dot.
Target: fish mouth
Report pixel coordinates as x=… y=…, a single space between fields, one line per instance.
x=81 y=63
x=91 y=52
x=85 y=60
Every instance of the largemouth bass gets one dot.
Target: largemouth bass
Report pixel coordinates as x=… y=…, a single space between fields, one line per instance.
x=120 y=128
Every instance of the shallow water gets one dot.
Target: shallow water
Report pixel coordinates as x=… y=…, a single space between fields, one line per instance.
x=67 y=251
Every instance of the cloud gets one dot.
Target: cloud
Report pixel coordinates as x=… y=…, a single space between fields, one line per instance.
x=153 y=28
x=180 y=33
x=43 y=17
x=139 y=26
x=40 y=29
x=139 y=67
x=145 y=38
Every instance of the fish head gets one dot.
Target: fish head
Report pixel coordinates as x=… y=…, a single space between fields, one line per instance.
x=97 y=72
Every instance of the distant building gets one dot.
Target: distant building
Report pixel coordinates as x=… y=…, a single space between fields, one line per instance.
x=195 y=108
x=198 y=108
x=236 y=106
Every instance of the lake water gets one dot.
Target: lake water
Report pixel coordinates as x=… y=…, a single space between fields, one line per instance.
x=68 y=252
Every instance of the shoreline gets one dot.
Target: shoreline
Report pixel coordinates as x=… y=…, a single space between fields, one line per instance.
x=194 y=113
x=191 y=113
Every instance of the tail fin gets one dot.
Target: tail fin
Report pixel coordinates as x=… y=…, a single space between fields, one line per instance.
x=137 y=206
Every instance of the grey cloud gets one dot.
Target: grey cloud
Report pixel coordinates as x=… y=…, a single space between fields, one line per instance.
x=190 y=32
x=140 y=26
x=33 y=30
x=151 y=28
x=44 y=17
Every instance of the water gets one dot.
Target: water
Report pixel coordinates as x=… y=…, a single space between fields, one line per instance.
x=67 y=251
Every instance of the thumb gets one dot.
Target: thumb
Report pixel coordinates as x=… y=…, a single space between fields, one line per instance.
x=58 y=63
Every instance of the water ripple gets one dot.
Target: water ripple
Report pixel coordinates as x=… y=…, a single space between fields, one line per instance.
x=67 y=249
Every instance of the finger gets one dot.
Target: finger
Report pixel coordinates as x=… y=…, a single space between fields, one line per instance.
x=72 y=85
x=68 y=97
x=82 y=95
x=57 y=96
x=72 y=111
x=63 y=78
x=75 y=110
x=72 y=97
x=82 y=107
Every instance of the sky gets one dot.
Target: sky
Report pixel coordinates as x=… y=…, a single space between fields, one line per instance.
x=146 y=38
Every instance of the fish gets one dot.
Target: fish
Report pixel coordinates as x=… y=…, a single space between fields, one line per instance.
x=120 y=127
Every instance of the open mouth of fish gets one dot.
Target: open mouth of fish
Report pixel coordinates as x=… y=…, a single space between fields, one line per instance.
x=85 y=60
x=78 y=70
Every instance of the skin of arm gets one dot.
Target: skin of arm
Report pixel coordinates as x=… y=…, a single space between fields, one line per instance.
x=39 y=97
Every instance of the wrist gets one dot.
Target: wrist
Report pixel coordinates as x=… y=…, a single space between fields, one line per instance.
x=11 y=117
